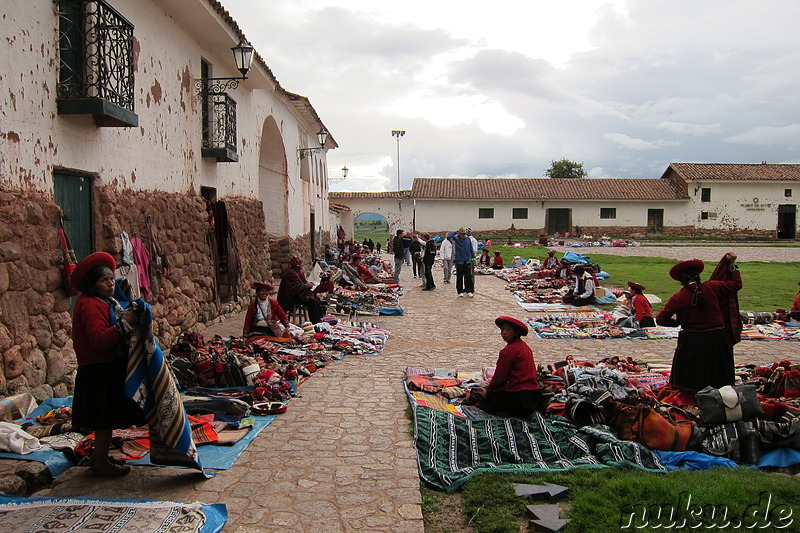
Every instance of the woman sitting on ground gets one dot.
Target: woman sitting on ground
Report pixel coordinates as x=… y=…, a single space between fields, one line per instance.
x=483 y=260
x=583 y=292
x=641 y=306
x=514 y=388
x=363 y=272
x=497 y=264
x=265 y=315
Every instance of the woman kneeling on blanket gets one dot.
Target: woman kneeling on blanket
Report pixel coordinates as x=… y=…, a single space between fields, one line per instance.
x=514 y=389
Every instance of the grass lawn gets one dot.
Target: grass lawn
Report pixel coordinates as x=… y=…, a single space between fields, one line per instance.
x=767 y=286
x=610 y=500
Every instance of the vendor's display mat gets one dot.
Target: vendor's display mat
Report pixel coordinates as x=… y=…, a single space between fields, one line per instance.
x=62 y=515
x=451 y=449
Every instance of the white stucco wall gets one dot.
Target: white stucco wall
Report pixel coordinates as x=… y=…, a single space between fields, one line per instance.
x=741 y=205
x=163 y=152
x=434 y=215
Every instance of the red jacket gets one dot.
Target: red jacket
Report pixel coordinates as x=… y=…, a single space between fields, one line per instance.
x=796 y=304
x=696 y=318
x=641 y=307
x=515 y=369
x=275 y=309
x=94 y=338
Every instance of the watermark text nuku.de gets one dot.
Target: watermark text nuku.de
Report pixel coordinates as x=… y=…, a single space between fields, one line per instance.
x=685 y=514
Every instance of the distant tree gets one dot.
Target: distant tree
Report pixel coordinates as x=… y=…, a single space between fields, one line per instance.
x=564 y=168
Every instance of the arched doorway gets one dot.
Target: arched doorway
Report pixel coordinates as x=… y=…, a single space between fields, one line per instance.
x=373 y=227
x=273 y=190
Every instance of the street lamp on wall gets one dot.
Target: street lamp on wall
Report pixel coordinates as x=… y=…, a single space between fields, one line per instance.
x=243 y=56
x=322 y=138
x=345 y=170
x=397 y=134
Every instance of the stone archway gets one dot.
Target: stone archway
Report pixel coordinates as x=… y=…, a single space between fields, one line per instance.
x=371 y=225
x=273 y=179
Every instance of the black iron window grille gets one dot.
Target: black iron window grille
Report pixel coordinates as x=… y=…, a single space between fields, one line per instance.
x=219 y=127
x=95 y=62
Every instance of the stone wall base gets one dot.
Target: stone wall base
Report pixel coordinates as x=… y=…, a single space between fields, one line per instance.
x=35 y=323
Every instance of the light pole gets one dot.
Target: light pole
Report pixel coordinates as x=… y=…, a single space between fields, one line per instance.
x=397 y=134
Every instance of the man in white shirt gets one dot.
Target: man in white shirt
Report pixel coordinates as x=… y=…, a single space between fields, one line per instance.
x=446 y=252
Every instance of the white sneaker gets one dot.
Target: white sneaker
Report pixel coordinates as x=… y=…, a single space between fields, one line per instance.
x=460 y=294
x=470 y=295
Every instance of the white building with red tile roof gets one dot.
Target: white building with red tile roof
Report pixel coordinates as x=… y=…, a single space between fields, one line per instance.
x=689 y=199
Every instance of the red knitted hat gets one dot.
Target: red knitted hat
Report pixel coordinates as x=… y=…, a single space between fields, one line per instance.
x=519 y=324
x=694 y=265
x=89 y=262
x=633 y=285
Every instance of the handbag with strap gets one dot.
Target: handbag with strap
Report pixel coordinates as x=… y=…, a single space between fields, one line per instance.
x=663 y=427
x=728 y=404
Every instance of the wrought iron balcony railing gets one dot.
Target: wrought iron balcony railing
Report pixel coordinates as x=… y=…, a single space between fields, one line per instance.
x=95 y=62
x=219 y=127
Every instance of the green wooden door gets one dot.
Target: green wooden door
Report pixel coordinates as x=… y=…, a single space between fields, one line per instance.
x=655 y=221
x=559 y=220
x=73 y=194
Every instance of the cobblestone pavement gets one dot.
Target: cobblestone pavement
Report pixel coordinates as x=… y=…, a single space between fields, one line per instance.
x=341 y=458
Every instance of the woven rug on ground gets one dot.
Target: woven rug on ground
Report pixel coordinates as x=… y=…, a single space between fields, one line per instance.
x=56 y=515
x=451 y=449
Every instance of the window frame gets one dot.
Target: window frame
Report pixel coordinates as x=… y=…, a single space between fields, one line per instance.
x=608 y=213
x=515 y=211
x=484 y=211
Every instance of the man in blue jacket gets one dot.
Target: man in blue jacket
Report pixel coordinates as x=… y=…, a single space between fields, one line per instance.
x=464 y=258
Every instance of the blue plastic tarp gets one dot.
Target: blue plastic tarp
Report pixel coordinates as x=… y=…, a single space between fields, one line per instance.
x=572 y=257
x=692 y=460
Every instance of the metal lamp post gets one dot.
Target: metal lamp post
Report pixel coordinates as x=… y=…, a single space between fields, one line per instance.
x=397 y=134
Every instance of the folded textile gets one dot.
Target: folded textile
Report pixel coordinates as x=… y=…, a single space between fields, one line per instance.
x=17 y=406
x=16 y=440
x=149 y=383
x=452 y=449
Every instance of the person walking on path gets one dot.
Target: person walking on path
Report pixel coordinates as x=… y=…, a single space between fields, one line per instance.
x=446 y=252
x=399 y=255
x=704 y=353
x=464 y=257
x=428 y=258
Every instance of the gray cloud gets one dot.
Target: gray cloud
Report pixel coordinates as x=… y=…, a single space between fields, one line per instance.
x=666 y=81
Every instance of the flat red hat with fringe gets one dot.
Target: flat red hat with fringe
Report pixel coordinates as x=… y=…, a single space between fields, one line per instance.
x=693 y=265
x=633 y=285
x=261 y=285
x=519 y=324
x=88 y=263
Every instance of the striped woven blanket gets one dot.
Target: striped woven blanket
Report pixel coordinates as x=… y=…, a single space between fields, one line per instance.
x=451 y=448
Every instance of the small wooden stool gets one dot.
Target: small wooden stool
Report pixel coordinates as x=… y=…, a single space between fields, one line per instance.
x=299 y=315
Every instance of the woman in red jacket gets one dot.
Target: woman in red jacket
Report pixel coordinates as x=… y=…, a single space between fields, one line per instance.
x=514 y=389
x=100 y=331
x=704 y=353
x=640 y=305
x=265 y=316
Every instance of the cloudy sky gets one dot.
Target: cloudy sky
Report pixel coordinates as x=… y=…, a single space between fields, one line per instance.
x=504 y=87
